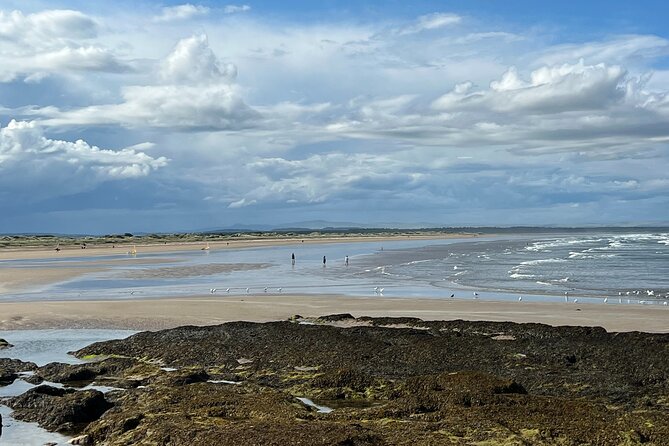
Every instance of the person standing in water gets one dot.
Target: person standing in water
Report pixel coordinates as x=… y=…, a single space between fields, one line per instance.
x=292 y=259
x=324 y=261
x=346 y=261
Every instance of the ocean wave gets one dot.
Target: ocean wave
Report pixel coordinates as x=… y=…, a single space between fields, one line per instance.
x=587 y=254
x=558 y=243
x=521 y=276
x=540 y=282
x=540 y=261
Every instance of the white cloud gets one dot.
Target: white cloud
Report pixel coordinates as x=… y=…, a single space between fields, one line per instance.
x=192 y=60
x=233 y=9
x=36 y=45
x=620 y=49
x=196 y=93
x=46 y=26
x=550 y=89
x=31 y=163
x=181 y=12
x=431 y=22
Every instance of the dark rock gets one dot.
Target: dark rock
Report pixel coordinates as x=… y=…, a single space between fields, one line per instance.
x=84 y=373
x=4 y=344
x=442 y=382
x=58 y=409
x=336 y=317
x=10 y=368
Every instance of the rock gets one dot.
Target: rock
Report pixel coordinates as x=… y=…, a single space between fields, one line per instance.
x=84 y=373
x=59 y=409
x=423 y=382
x=81 y=440
x=336 y=317
x=10 y=368
x=4 y=344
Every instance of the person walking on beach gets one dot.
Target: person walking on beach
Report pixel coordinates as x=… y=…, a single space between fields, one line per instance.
x=324 y=261
x=346 y=261
x=292 y=259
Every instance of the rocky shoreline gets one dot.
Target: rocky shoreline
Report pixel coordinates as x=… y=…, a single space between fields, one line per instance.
x=389 y=381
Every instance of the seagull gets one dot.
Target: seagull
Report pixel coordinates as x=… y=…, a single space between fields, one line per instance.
x=576 y=300
x=279 y=289
x=212 y=291
x=380 y=290
x=476 y=294
x=452 y=295
x=265 y=289
x=247 y=290
x=606 y=299
x=520 y=298
x=227 y=290
x=665 y=303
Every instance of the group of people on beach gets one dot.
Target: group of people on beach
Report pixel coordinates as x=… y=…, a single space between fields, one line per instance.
x=292 y=260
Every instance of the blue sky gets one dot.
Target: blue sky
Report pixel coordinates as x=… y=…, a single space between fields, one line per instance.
x=147 y=116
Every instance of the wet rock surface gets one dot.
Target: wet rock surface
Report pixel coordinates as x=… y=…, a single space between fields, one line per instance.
x=59 y=409
x=424 y=383
x=10 y=368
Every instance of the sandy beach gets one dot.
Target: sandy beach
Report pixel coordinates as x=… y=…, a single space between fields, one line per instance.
x=206 y=310
x=92 y=250
x=160 y=313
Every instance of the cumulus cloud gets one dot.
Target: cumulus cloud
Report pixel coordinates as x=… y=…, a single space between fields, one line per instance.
x=193 y=60
x=52 y=42
x=46 y=26
x=181 y=12
x=565 y=87
x=55 y=167
x=196 y=93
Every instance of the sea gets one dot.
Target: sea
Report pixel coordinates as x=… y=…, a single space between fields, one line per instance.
x=621 y=266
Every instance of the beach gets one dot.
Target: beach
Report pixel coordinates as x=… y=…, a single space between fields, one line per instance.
x=131 y=310
x=255 y=362
x=156 y=314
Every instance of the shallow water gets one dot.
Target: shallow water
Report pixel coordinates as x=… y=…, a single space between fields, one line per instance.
x=590 y=265
x=43 y=347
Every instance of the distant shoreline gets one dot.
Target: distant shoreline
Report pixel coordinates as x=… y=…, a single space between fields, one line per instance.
x=39 y=248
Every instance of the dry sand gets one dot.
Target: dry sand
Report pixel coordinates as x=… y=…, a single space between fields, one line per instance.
x=200 y=310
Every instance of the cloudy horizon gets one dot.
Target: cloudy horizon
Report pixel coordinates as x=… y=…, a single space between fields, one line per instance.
x=171 y=116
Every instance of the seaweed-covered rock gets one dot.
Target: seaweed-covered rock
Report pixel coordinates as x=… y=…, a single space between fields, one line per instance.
x=58 y=409
x=336 y=317
x=10 y=368
x=71 y=373
x=390 y=381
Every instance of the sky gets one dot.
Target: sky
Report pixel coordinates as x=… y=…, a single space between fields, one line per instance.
x=143 y=116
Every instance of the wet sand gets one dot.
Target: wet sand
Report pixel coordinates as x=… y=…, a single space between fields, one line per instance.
x=206 y=310
x=29 y=279
x=48 y=252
